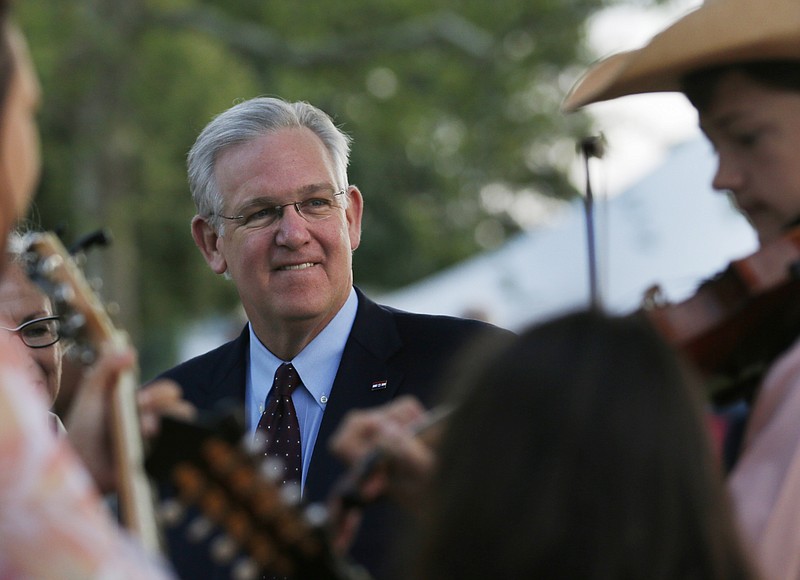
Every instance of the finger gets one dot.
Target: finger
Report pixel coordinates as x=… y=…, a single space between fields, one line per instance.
x=409 y=456
x=356 y=435
x=362 y=429
x=162 y=392
x=405 y=410
x=160 y=399
x=111 y=362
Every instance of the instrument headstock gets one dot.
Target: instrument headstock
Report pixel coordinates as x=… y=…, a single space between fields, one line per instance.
x=84 y=318
x=225 y=490
x=86 y=321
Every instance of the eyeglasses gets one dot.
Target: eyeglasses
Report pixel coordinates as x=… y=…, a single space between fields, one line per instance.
x=313 y=209
x=38 y=333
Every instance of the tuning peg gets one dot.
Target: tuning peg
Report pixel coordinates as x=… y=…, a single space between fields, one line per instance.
x=96 y=283
x=113 y=308
x=290 y=493
x=101 y=237
x=79 y=259
x=272 y=468
x=72 y=323
x=50 y=264
x=64 y=294
x=171 y=511
x=199 y=529
x=224 y=549
x=246 y=569
x=316 y=514
x=254 y=445
x=80 y=353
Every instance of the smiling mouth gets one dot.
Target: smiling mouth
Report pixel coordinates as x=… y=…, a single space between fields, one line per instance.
x=302 y=266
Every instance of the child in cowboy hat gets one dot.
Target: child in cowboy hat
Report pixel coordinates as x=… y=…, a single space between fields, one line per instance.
x=738 y=62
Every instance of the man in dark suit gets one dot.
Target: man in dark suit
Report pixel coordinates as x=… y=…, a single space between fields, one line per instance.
x=276 y=214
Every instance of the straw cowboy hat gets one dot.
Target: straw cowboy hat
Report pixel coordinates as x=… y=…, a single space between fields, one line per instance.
x=718 y=32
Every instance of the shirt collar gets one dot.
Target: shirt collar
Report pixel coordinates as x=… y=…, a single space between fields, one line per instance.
x=318 y=362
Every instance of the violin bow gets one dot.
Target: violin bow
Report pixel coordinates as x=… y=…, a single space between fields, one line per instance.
x=591 y=147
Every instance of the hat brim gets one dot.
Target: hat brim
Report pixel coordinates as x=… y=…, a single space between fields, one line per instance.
x=719 y=32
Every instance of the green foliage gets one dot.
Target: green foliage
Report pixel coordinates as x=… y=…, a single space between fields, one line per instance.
x=442 y=98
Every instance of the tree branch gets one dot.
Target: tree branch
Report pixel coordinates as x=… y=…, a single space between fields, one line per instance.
x=444 y=28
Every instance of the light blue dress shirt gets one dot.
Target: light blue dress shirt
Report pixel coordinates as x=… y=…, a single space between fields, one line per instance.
x=316 y=364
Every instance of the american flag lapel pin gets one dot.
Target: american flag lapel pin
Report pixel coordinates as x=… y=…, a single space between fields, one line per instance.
x=379 y=385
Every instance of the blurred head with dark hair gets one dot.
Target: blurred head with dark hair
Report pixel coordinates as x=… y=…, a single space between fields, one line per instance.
x=580 y=451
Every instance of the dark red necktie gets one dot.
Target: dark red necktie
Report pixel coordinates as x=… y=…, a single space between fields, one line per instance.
x=279 y=425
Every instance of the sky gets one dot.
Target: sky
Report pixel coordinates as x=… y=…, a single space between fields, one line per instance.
x=639 y=129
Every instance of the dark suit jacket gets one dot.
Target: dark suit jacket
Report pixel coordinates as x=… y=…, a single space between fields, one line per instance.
x=408 y=352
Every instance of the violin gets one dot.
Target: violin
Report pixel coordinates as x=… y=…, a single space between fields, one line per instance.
x=738 y=322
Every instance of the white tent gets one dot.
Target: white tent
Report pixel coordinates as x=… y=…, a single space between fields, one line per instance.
x=670 y=228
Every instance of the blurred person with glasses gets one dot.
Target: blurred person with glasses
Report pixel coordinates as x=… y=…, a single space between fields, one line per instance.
x=277 y=215
x=39 y=332
x=28 y=313
x=53 y=522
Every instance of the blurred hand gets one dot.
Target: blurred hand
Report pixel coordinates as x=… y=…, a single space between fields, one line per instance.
x=160 y=398
x=88 y=421
x=386 y=459
x=363 y=430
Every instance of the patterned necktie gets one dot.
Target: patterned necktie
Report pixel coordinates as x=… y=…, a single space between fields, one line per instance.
x=279 y=426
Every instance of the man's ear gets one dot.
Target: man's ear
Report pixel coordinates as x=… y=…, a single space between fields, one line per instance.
x=207 y=240
x=354 y=212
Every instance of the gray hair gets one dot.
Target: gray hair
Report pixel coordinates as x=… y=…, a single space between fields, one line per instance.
x=245 y=122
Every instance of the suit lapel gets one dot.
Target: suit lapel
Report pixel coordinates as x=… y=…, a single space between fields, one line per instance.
x=227 y=379
x=365 y=379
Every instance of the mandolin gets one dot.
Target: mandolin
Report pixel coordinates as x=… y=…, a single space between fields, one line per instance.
x=86 y=322
x=225 y=494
